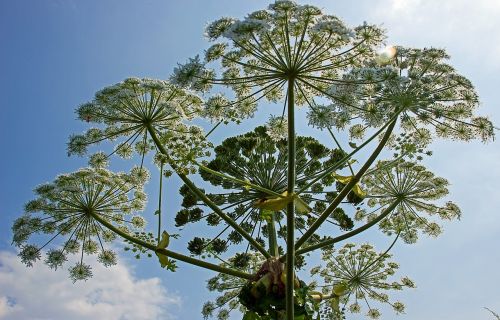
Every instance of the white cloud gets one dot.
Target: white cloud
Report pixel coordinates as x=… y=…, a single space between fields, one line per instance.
x=112 y=294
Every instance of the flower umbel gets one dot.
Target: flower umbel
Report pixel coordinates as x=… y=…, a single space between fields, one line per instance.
x=287 y=43
x=419 y=85
x=365 y=275
x=130 y=109
x=260 y=160
x=414 y=189
x=66 y=208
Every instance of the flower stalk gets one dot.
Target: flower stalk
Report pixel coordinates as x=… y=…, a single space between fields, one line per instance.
x=347 y=187
x=352 y=233
x=172 y=254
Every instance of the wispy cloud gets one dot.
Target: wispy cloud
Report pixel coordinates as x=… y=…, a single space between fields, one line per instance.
x=112 y=294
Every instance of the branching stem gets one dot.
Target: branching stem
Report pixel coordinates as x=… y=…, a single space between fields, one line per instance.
x=172 y=254
x=347 y=188
x=351 y=233
x=203 y=197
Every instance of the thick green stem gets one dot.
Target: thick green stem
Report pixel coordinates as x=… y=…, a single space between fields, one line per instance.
x=351 y=233
x=348 y=187
x=206 y=200
x=290 y=210
x=172 y=254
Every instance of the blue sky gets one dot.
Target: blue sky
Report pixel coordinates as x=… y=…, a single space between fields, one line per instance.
x=56 y=54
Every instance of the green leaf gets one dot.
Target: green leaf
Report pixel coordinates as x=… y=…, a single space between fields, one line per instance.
x=353 y=145
x=276 y=203
x=345 y=180
x=164 y=261
x=301 y=205
x=335 y=303
x=279 y=203
x=165 y=240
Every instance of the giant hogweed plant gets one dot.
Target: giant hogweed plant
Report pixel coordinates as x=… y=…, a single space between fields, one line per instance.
x=275 y=196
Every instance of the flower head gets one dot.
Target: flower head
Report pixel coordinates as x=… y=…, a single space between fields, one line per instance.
x=415 y=190
x=287 y=43
x=423 y=89
x=69 y=207
x=131 y=110
x=363 y=274
x=259 y=159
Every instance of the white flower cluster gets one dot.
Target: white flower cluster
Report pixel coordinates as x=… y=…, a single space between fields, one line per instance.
x=364 y=274
x=260 y=53
x=414 y=189
x=422 y=89
x=67 y=206
x=135 y=107
x=277 y=128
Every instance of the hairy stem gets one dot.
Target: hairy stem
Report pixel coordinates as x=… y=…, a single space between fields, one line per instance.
x=159 y=203
x=273 y=241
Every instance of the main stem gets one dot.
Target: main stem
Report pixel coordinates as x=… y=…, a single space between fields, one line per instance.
x=290 y=210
